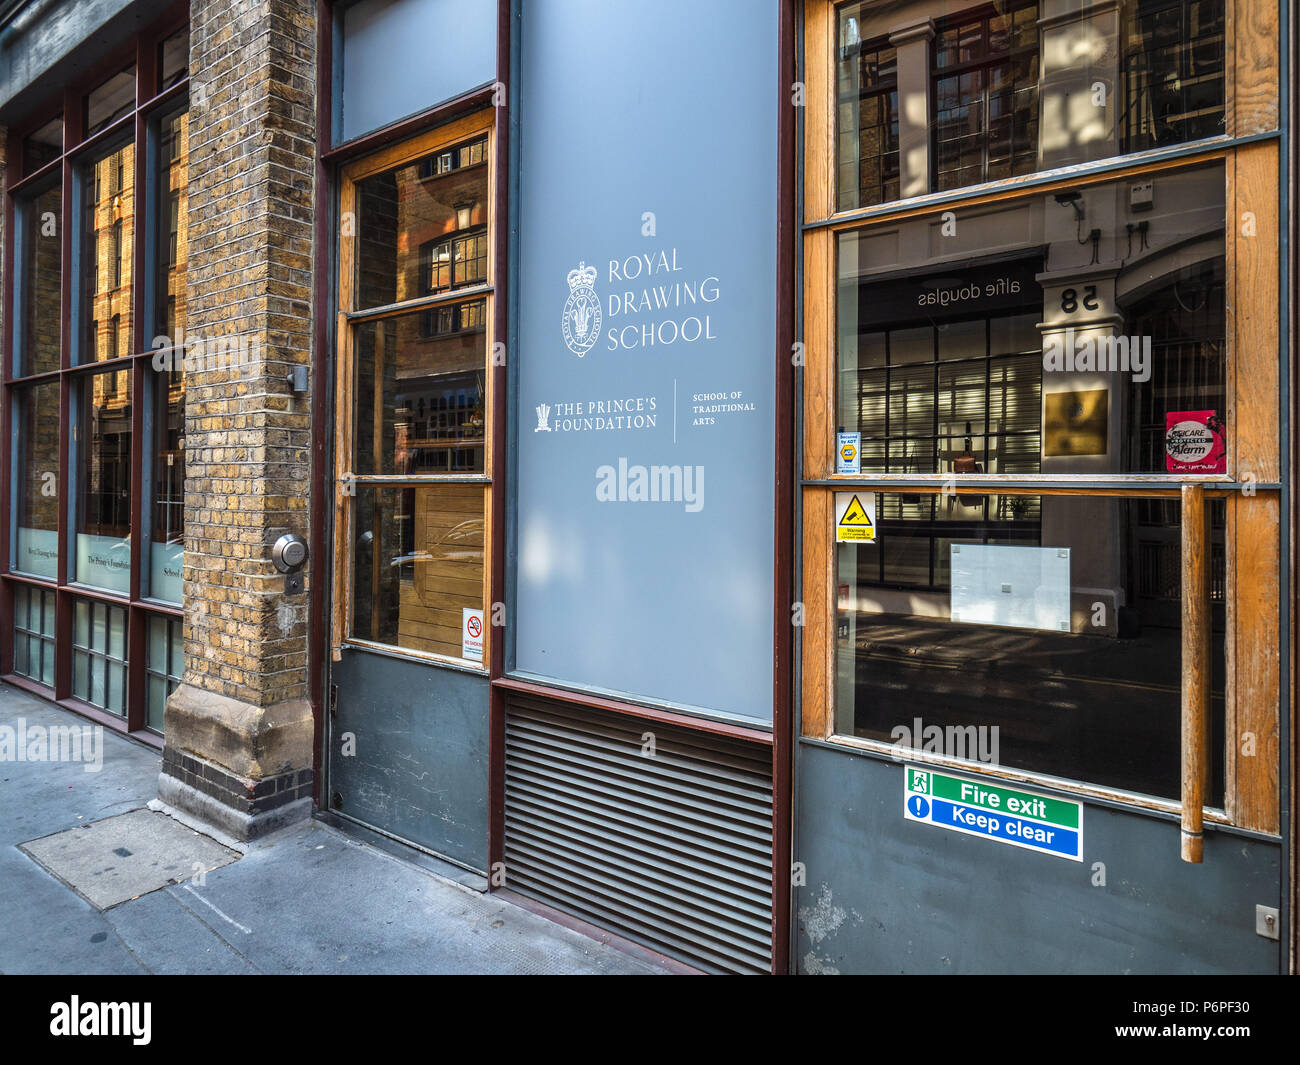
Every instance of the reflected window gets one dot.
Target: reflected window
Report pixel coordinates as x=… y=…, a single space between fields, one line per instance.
x=167 y=464
x=113 y=99
x=986 y=95
x=40 y=221
x=866 y=119
x=103 y=471
x=420 y=392
x=173 y=227
x=35 y=547
x=422 y=227
x=43 y=146
x=174 y=58
x=1174 y=61
x=107 y=242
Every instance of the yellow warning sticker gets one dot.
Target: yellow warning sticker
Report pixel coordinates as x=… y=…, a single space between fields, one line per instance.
x=855 y=517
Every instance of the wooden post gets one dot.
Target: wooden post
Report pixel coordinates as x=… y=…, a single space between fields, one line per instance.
x=1195 y=669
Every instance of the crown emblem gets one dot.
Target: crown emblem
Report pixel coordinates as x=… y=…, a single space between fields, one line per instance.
x=583 y=277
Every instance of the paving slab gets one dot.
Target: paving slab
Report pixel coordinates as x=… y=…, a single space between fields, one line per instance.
x=119 y=858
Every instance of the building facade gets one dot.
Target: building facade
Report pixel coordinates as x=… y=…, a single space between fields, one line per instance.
x=802 y=487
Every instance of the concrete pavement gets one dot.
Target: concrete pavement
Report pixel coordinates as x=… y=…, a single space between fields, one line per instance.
x=308 y=899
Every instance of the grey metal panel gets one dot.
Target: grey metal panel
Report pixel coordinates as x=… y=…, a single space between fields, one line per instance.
x=52 y=43
x=420 y=771
x=400 y=57
x=672 y=850
x=888 y=895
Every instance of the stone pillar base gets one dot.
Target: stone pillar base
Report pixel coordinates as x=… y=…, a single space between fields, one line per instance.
x=243 y=769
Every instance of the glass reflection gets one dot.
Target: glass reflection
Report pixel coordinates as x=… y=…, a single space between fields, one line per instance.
x=103 y=471
x=107 y=242
x=417 y=565
x=1059 y=626
x=41 y=219
x=36 y=540
x=422 y=228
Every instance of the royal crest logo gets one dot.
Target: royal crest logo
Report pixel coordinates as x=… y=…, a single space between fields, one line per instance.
x=543 y=418
x=581 y=311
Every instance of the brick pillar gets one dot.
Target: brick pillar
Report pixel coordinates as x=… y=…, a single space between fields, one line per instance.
x=238 y=730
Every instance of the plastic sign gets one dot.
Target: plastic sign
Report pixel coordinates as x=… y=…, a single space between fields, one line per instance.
x=855 y=517
x=848 y=452
x=471 y=634
x=1195 y=442
x=1013 y=816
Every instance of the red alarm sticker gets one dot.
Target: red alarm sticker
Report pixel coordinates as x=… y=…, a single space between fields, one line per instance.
x=1195 y=442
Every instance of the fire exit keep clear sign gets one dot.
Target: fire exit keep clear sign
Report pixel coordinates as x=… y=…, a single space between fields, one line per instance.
x=1006 y=815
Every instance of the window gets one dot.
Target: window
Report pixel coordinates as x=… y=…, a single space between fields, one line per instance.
x=105 y=248
x=414 y=398
x=34 y=634
x=931 y=98
x=986 y=95
x=1044 y=414
x=867 y=119
x=95 y=523
x=1174 y=60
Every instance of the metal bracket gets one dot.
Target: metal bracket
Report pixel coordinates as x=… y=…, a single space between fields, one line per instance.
x=1266 y=922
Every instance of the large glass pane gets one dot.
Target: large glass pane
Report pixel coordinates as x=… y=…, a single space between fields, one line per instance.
x=99 y=658
x=107 y=240
x=36 y=493
x=167 y=514
x=173 y=229
x=866 y=117
x=420 y=394
x=174 y=59
x=110 y=101
x=103 y=472
x=418 y=568
x=422 y=227
x=34 y=633
x=1173 y=66
x=42 y=145
x=1104 y=356
x=40 y=281
x=165 y=659
x=1038 y=633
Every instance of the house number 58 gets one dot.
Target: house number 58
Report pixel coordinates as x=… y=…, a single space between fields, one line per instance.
x=1070 y=299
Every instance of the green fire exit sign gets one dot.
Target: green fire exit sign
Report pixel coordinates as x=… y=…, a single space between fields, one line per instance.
x=1007 y=815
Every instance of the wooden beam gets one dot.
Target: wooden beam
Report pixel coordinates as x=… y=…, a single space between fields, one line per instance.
x=1253 y=75
x=819 y=110
x=819 y=356
x=1253 y=660
x=1196 y=672
x=819 y=621
x=1252 y=313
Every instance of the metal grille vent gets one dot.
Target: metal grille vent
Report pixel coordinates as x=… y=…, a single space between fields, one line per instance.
x=673 y=851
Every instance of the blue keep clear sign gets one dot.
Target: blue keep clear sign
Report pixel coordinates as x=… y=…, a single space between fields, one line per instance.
x=646 y=349
x=1003 y=814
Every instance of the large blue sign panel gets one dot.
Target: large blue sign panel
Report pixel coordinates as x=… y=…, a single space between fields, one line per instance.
x=646 y=349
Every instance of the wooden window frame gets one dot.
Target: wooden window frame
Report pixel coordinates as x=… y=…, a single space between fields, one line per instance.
x=348 y=318
x=1253 y=697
